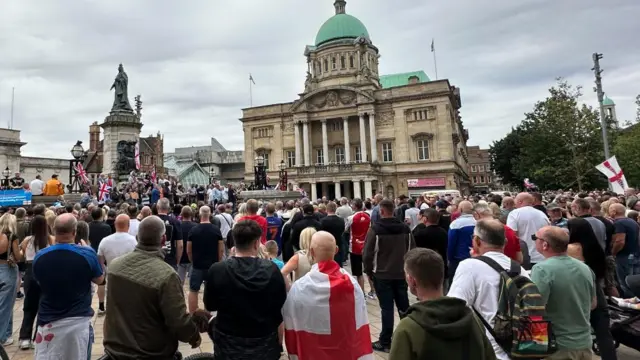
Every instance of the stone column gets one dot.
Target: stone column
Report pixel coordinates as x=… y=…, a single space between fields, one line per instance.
x=305 y=141
x=363 y=139
x=314 y=192
x=347 y=146
x=372 y=134
x=296 y=132
x=325 y=142
x=337 y=186
x=357 y=194
x=368 y=189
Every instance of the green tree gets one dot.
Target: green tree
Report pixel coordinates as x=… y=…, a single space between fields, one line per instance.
x=627 y=149
x=504 y=156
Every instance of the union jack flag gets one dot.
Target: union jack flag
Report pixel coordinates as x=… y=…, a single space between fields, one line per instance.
x=103 y=193
x=81 y=173
x=154 y=175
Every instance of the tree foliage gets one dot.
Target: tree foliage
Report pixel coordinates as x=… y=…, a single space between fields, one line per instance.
x=557 y=145
x=627 y=149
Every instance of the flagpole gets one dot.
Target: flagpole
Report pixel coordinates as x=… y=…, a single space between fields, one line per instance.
x=435 y=62
x=250 y=91
x=13 y=98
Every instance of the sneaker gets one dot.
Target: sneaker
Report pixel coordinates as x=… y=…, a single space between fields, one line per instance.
x=101 y=312
x=377 y=346
x=8 y=342
x=25 y=344
x=20 y=295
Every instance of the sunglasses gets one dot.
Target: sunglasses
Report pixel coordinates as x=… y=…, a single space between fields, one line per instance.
x=534 y=238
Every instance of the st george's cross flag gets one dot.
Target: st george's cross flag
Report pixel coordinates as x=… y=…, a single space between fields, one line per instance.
x=325 y=316
x=613 y=172
x=137 y=155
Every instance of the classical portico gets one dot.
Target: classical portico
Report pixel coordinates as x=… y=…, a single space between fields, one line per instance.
x=353 y=132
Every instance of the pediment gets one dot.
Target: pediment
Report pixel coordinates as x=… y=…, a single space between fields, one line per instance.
x=331 y=97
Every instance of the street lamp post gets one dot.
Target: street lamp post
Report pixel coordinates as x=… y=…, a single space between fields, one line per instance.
x=212 y=175
x=283 y=176
x=77 y=151
x=260 y=174
x=6 y=173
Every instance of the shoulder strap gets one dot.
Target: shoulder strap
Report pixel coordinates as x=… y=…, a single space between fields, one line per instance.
x=488 y=327
x=494 y=265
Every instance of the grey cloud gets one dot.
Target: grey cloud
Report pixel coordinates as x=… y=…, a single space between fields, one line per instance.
x=191 y=61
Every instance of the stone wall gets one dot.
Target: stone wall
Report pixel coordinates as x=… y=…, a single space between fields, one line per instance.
x=45 y=167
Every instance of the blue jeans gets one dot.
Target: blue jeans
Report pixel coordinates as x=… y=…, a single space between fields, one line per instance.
x=390 y=292
x=8 y=285
x=624 y=269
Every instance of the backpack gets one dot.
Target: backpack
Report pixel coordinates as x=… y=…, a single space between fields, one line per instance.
x=521 y=328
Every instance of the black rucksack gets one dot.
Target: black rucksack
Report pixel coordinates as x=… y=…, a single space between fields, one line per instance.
x=521 y=328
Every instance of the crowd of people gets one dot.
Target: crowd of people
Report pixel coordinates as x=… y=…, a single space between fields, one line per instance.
x=293 y=275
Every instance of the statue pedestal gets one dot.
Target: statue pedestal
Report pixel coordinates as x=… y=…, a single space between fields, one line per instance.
x=118 y=126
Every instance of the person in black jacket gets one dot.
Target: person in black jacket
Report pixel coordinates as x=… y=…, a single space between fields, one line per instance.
x=334 y=225
x=246 y=325
x=308 y=220
x=98 y=230
x=402 y=207
x=430 y=235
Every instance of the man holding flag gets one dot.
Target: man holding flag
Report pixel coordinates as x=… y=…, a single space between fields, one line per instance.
x=325 y=315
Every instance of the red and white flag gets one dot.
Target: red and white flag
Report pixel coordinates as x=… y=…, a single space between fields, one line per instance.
x=613 y=172
x=81 y=173
x=325 y=317
x=137 y=155
x=154 y=175
x=103 y=193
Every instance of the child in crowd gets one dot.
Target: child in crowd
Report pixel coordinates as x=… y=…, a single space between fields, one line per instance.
x=272 y=250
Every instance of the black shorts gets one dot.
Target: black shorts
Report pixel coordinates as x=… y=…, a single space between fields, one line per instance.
x=356 y=264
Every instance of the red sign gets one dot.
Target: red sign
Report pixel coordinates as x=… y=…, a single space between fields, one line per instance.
x=425 y=183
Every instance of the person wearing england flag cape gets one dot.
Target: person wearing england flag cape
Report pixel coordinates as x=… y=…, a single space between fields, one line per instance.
x=325 y=315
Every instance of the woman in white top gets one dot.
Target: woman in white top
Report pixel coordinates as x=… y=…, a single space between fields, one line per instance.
x=30 y=247
x=301 y=262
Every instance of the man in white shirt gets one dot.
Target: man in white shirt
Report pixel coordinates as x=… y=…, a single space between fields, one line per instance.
x=411 y=214
x=476 y=282
x=525 y=220
x=36 y=186
x=344 y=211
x=117 y=244
x=226 y=221
x=134 y=223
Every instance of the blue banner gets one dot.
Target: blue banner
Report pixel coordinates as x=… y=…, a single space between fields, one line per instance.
x=15 y=197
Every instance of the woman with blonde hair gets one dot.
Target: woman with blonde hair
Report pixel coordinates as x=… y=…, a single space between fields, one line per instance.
x=9 y=255
x=50 y=216
x=495 y=210
x=301 y=262
x=242 y=212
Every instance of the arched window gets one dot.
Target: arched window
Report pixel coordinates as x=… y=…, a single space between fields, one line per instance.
x=333 y=63
x=342 y=63
x=326 y=65
x=351 y=65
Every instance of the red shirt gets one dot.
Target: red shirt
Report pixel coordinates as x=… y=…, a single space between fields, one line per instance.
x=512 y=247
x=359 y=227
x=263 y=225
x=455 y=215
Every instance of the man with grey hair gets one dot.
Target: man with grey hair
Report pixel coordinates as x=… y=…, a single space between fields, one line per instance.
x=477 y=282
x=146 y=312
x=205 y=246
x=65 y=272
x=344 y=211
x=512 y=244
x=173 y=245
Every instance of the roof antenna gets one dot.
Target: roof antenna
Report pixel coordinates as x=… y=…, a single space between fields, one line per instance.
x=340 y=6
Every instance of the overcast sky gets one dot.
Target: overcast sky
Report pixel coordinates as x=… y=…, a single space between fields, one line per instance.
x=190 y=60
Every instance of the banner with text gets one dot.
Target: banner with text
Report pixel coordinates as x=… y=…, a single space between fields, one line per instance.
x=426 y=183
x=15 y=197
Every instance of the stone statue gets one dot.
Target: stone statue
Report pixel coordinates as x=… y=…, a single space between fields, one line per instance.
x=307 y=83
x=126 y=157
x=120 y=84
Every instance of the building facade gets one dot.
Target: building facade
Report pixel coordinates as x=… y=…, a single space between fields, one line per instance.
x=353 y=132
x=480 y=173
x=196 y=164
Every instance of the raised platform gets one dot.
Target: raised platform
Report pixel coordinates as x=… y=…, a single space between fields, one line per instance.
x=269 y=195
x=50 y=200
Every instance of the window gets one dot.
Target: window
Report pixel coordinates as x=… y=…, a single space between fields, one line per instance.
x=482 y=179
x=333 y=63
x=340 y=155
x=480 y=168
x=336 y=125
x=263 y=132
x=147 y=160
x=420 y=114
x=358 y=154
x=423 y=149
x=351 y=65
x=474 y=168
x=319 y=67
x=326 y=65
x=387 y=152
x=343 y=63
x=489 y=179
x=475 y=179
x=265 y=156
x=291 y=158
x=319 y=156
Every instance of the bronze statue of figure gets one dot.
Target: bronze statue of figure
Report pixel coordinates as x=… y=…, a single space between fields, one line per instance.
x=120 y=84
x=126 y=157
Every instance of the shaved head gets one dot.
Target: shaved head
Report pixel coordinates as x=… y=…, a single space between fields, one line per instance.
x=151 y=231
x=122 y=223
x=524 y=199
x=146 y=211
x=323 y=246
x=465 y=207
x=617 y=210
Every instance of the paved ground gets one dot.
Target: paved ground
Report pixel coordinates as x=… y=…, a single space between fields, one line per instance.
x=207 y=346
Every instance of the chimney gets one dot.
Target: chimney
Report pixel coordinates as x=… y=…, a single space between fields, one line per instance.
x=94 y=136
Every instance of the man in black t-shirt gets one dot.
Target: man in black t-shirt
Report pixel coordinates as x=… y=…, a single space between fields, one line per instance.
x=173 y=245
x=205 y=246
x=187 y=224
x=430 y=235
x=16 y=182
x=98 y=230
x=334 y=225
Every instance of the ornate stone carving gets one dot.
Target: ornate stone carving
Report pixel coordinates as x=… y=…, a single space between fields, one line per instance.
x=287 y=125
x=385 y=119
x=455 y=138
x=347 y=97
x=332 y=99
x=422 y=135
x=126 y=157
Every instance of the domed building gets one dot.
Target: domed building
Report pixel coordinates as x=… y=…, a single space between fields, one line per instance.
x=353 y=132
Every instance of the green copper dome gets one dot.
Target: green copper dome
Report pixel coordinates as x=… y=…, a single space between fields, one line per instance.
x=607 y=102
x=341 y=26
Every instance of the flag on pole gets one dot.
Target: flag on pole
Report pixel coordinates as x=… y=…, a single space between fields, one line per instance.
x=81 y=173
x=251 y=79
x=137 y=155
x=154 y=175
x=325 y=316
x=613 y=172
x=528 y=184
x=433 y=47
x=103 y=194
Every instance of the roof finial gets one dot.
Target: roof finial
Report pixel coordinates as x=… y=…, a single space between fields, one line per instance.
x=340 y=6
